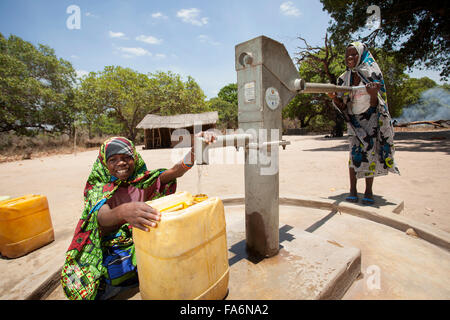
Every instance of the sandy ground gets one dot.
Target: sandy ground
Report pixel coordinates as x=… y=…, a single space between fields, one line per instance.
x=310 y=165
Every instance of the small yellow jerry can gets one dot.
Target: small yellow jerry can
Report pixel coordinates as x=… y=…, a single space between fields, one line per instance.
x=25 y=225
x=186 y=256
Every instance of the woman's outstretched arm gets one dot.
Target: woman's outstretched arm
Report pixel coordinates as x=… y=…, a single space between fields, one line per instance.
x=187 y=162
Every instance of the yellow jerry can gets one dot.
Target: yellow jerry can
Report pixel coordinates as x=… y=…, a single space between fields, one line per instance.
x=186 y=256
x=25 y=225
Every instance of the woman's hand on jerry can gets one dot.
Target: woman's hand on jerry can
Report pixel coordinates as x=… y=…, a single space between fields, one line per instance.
x=140 y=215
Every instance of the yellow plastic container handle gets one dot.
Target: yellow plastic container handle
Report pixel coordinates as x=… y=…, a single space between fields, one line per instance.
x=183 y=205
x=197 y=198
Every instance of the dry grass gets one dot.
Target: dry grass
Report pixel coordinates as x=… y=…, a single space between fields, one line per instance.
x=15 y=148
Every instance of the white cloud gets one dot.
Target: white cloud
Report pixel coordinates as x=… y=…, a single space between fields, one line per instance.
x=74 y=56
x=205 y=39
x=89 y=14
x=158 y=15
x=116 y=34
x=81 y=73
x=288 y=9
x=132 y=52
x=160 y=56
x=149 y=39
x=192 y=16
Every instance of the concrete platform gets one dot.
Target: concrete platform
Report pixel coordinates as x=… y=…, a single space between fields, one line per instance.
x=408 y=267
x=307 y=266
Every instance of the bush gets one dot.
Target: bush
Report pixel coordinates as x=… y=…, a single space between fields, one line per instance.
x=15 y=147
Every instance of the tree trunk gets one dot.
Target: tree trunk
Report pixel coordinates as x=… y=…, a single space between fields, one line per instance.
x=132 y=133
x=338 y=130
x=89 y=131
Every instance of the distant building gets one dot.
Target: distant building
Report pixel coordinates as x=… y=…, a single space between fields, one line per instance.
x=158 y=129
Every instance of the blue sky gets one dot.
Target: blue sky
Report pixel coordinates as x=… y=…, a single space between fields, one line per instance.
x=195 y=38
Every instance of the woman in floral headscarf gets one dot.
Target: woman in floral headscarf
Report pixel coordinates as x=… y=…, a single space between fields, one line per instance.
x=370 y=131
x=100 y=261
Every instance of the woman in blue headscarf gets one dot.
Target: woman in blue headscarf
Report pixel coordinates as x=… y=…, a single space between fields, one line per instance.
x=371 y=133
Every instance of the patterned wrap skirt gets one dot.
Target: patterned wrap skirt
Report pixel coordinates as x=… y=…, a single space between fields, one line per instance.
x=371 y=140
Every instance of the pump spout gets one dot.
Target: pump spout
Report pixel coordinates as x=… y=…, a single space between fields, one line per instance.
x=201 y=148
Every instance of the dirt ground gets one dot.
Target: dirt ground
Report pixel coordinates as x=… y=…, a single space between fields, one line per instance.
x=310 y=165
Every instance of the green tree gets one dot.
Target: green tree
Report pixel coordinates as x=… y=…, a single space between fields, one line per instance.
x=35 y=88
x=170 y=95
x=412 y=89
x=227 y=113
x=229 y=93
x=121 y=93
x=320 y=65
x=417 y=32
x=127 y=96
x=226 y=105
x=410 y=92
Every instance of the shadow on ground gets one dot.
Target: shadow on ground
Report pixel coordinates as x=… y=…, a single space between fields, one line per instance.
x=379 y=200
x=240 y=250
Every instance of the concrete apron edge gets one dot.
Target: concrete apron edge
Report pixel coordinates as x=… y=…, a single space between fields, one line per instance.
x=391 y=219
x=337 y=287
x=46 y=287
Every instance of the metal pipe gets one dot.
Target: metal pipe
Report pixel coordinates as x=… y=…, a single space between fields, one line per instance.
x=201 y=148
x=324 y=88
x=267 y=145
x=310 y=87
x=228 y=140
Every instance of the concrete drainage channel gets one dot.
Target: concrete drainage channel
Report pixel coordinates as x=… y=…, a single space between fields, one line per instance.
x=307 y=266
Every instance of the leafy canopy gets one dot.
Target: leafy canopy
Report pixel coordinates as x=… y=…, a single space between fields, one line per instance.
x=417 y=31
x=226 y=105
x=127 y=96
x=35 y=88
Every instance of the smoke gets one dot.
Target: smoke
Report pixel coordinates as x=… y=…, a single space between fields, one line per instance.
x=434 y=104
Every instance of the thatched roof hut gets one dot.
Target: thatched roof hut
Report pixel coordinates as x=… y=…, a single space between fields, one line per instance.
x=158 y=129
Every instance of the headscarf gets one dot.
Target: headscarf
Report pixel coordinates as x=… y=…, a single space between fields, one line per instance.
x=83 y=267
x=118 y=146
x=367 y=69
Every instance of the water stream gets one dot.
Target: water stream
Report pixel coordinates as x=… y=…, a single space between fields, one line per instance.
x=201 y=171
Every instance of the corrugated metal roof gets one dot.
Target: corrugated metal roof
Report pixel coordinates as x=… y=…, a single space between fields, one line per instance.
x=152 y=121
